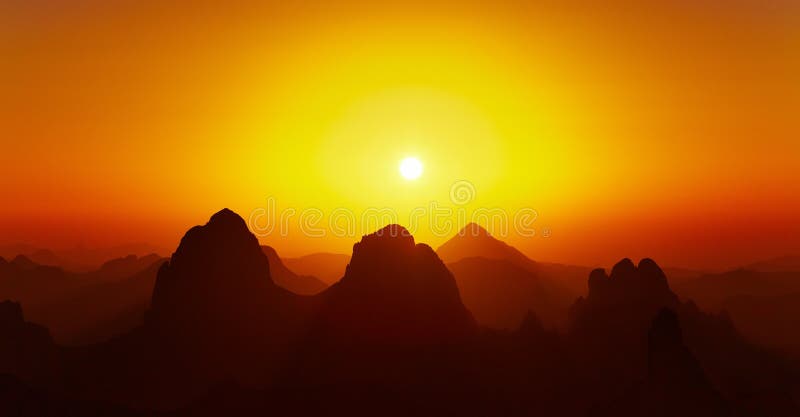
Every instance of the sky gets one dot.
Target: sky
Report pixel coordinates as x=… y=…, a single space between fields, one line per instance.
x=668 y=130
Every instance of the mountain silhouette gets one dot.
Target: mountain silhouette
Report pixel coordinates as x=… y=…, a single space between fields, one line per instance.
x=281 y=275
x=328 y=267
x=26 y=349
x=395 y=291
x=77 y=259
x=761 y=303
x=82 y=307
x=614 y=320
x=474 y=241
x=675 y=385
x=392 y=337
x=711 y=290
x=218 y=273
x=24 y=262
x=786 y=263
x=499 y=284
x=124 y=267
x=500 y=294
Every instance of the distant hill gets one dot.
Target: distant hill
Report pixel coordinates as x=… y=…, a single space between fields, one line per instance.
x=298 y=284
x=762 y=304
x=81 y=307
x=499 y=284
x=474 y=241
x=769 y=320
x=328 y=267
x=710 y=291
x=500 y=294
x=787 y=263
x=79 y=259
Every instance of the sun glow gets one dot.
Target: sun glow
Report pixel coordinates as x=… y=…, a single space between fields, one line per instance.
x=410 y=168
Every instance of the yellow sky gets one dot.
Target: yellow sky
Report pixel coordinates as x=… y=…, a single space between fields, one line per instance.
x=666 y=130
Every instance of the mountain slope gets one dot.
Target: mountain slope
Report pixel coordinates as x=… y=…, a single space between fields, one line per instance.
x=328 y=267
x=281 y=275
x=500 y=284
x=474 y=241
x=395 y=291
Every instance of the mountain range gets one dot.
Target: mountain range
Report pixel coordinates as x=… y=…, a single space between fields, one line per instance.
x=394 y=336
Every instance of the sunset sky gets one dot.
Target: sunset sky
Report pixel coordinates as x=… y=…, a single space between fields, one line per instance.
x=669 y=130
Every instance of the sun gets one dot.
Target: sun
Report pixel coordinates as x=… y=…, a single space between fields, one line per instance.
x=410 y=168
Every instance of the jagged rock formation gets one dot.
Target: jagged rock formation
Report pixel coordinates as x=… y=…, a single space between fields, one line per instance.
x=217 y=276
x=395 y=291
x=675 y=384
x=609 y=332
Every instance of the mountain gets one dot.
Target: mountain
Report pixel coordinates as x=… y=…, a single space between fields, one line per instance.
x=395 y=291
x=218 y=276
x=609 y=330
x=786 y=263
x=26 y=349
x=106 y=308
x=120 y=268
x=675 y=385
x=328 y=267
x=393 y=335
x=23 y=262
x=711 y=290
x=474 y=241
x=762 y=304
x=500 y=293
x=767 y=320
x=79 y=258
x=500 y=285
x=80 y=307
x=281 y=275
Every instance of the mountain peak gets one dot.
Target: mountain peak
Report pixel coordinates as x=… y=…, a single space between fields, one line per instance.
x=217 y=267
x=475 y=241
x=391 y=232
x=623 y=268
x=474 y=230
x=226 y=216
x=626 y=278
x=23 y=262
x=395 y=291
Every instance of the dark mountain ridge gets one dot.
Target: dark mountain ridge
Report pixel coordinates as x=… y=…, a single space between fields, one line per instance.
x=222 y=337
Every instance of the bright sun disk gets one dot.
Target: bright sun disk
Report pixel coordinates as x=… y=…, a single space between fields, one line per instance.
x=410 y=168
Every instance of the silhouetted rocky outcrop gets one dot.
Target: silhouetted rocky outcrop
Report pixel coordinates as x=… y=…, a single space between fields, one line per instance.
x=218 y=275
x=675 y=384
x=609 y=332
x=26 y=349
x=396 y=292
x=392 y=337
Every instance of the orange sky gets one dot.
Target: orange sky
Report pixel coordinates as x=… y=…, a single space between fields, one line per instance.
x=669 y=130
